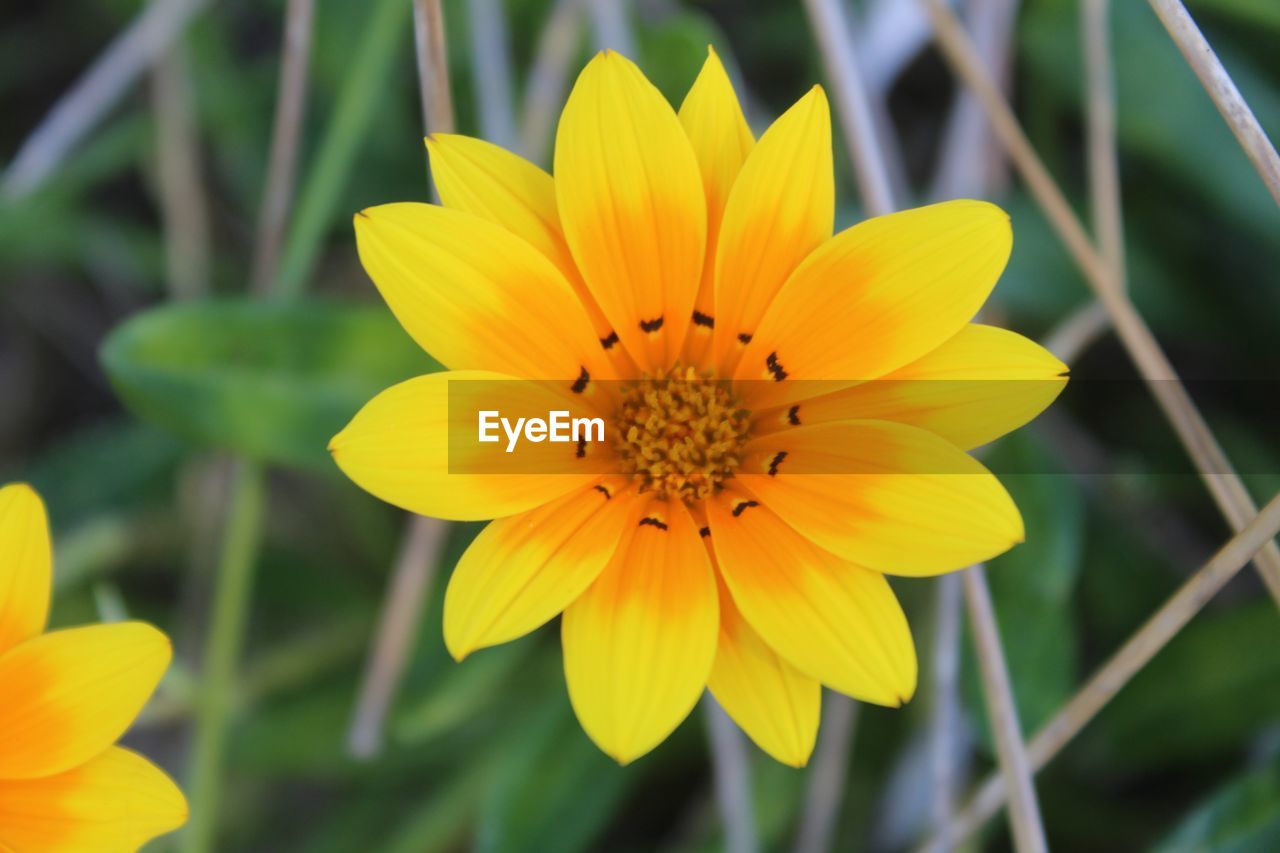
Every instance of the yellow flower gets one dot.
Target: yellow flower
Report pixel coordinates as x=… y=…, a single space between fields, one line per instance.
x=68 y=696
x=739 y=536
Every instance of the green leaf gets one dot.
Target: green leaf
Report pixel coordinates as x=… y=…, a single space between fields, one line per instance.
x=116 y=465
x=273 y=382
x=1240 y=817
x=461 y=691
x=556 y=791
x=1033 y=585
x=1245 y=12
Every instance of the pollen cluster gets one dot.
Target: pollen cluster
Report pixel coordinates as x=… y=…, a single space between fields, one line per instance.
x=680 y=435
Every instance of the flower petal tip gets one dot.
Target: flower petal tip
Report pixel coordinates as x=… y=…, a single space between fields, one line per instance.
x=21 y=488
x=150 y=634
x=24 y=498
x=457 y=650
x=798 y=761
x=622 y=758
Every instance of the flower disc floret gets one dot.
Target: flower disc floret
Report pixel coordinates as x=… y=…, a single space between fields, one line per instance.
x=680 y=435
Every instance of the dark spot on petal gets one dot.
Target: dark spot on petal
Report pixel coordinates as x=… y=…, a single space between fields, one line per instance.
x=745 y=337
x=700 y=319
x=609 y=342
x=580 y=384
x=742 y=506
x=704 y=532
x=653 y=522
x=604 y=490
x=777 y=460
x=651 y=325
x=775 y=367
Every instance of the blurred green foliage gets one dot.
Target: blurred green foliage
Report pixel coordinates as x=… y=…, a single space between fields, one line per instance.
x=271 y=382
x=485 y=754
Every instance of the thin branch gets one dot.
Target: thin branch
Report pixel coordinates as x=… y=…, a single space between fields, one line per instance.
x=1154 y=634
x=424 y=538
x=433 y=66
x=183 y=204
x=891 y=34
x=1083 y=327
x=491 y=71
x=971 y=164
x=826 y=778
x=286 y=136
x=1002 y=711
x=853 y=106
x=397 y=627
x=1215 y=469
x=732 y=778
x=95 y=93
x=1226 y=97
x=944 y=719
x=1078 y=331
x=1100 y=128
x=548 y=80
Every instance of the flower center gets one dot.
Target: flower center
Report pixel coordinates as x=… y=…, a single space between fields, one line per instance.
x=680 y=435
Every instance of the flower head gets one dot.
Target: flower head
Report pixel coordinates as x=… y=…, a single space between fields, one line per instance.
x=783 y=431
x=68 y=696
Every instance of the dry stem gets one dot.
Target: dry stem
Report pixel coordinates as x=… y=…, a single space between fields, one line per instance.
x=1157 y=631
x=1002 y=711
x=1215 y=469
x=286 y=135
x=1222 y=89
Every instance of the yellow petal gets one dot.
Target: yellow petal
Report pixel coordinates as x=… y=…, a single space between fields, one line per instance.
x=782 y=207
x=887 y=496
x=772 y=701
x=70 y=694
x=26 y=565
x=414 y=446
x=713 y=120
x=118 y=801
x=506 y=189
x=632 y=207
x=876 y=297
x=474 y=295
x=835 y=621
x=524 y=570
x=639 y=643
x=983 y=383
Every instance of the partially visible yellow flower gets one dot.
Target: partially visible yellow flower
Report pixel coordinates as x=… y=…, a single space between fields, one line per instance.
x=65 y=698
x=681 y=279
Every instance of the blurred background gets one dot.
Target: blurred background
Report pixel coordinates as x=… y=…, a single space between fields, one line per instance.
x=133 y=234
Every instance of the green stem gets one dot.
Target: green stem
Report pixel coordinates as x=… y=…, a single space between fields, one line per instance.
x=231 y=598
